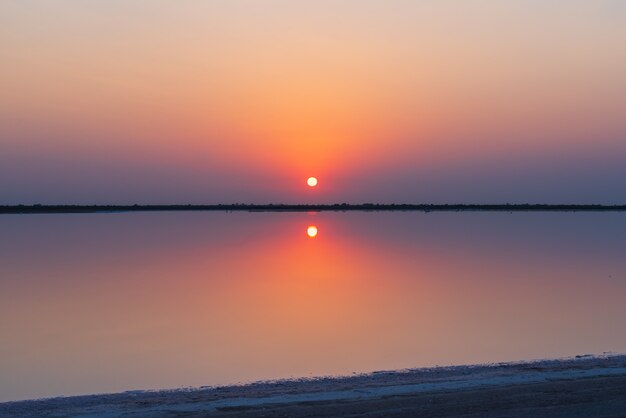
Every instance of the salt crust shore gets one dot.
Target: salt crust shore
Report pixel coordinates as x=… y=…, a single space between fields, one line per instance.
x=344 y=394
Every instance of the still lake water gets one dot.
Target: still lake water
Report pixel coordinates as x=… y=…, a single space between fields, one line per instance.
x=111 y=302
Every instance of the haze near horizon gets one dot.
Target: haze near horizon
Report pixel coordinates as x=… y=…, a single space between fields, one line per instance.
x=155 y=102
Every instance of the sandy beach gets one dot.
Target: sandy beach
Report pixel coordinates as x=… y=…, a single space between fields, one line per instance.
x=583 y=386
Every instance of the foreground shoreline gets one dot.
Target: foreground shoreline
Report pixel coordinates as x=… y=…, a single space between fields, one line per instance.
x=580 y=386
x=336 y=207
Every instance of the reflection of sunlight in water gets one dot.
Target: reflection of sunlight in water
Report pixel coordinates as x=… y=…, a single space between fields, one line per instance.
x=216 y=298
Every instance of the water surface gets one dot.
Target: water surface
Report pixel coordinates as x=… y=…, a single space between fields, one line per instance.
x=110 y=302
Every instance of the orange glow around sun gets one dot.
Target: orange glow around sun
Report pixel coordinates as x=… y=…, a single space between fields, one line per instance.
x=311 y=181
x=311 y=231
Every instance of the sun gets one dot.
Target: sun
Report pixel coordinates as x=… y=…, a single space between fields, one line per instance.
x=311 y=231
x=311 y=181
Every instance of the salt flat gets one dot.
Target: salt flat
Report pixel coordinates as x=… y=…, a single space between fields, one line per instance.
x=580 y=386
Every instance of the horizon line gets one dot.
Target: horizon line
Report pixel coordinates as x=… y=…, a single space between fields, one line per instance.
x=317 y=207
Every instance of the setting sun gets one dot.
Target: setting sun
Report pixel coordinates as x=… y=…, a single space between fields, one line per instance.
x=311 y=231
x=311 y=181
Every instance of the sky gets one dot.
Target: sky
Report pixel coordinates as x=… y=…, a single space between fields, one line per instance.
x=232 y=101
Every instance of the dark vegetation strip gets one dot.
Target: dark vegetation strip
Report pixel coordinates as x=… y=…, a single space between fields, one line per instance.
x=33 y=209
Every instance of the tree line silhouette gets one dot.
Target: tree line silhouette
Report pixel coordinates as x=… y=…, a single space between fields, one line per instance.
x=281 y=207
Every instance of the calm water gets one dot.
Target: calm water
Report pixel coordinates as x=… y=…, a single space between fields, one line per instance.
x=112 y=302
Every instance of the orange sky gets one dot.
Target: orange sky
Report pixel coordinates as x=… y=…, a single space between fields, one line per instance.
x=235 y=100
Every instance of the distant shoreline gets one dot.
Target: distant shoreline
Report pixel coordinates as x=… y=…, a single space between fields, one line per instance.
x=336 y=207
